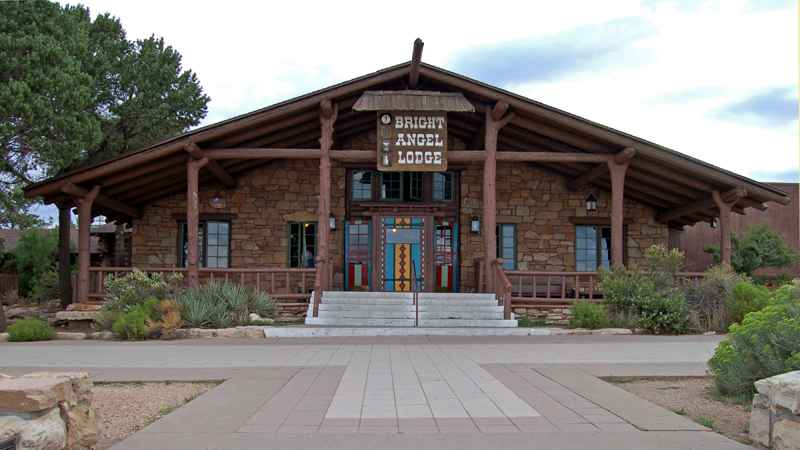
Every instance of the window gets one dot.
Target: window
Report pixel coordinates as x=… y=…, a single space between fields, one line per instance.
x=391 y=186
x=362 y=185
x=302 y=244
x=443 y=186
x=413 y=184
x=592 y=247
x=507 y=245
x=213 y=247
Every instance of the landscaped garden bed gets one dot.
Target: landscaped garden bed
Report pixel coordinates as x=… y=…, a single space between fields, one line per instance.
x=125 y=408
x=696 y=398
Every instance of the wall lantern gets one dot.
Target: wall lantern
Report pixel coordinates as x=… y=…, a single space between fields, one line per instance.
x=216 y=201
x=332 y=222
x=475 y=225
x=591 y=203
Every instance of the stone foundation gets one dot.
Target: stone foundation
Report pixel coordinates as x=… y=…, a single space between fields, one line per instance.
x=559 y=315
x=775 y=417
x=48 y=411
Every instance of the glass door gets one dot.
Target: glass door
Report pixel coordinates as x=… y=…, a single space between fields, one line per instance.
x=402 y=247
x=445 y=255
x=358 y=254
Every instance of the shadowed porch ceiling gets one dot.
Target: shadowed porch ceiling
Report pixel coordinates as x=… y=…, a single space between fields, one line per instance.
x=677 y=186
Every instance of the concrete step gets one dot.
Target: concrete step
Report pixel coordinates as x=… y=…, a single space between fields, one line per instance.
x=473 y=308
x=460 y=314
x=367 y=295
x=371 y=307
x=454 y=296
x=458 y=302
x=366 y=313
x=297 y=332
x=359 y=322
x=366 y=301
x=481 y=323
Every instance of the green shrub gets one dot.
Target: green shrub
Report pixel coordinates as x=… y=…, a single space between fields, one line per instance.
x=131 y=325
x=30 y=330
x=746 y=298
x=664 y=314
x=127 y=291
x=35 y=256
x=222 y=305
x=45 y=287
x=588 y=315
x=766 y=343
x=709 y=298
x=757 y=247
x=105 y=319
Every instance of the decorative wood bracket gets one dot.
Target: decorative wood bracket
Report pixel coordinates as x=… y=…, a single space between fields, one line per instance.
x=599 y=170
x=80 y=194
x=731 y=196
x=214 y=167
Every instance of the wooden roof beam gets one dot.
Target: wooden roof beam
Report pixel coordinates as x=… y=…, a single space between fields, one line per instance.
x=100 y=199
x=600 y=170
x=219 y=172
x=700 y=205
x=416 y=59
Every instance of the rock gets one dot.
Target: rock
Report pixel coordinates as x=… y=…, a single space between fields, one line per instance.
x=32 y=394
x=70 y=336
x=786 y=435
x=68 y=316
x=3 y=337
x=48 y=432
x=608 y=331
x=80 y=384
x=783 y=390
x=84 y=307
x=10 y=426
x=759 y=420
x=101 y=336
x=254 y=317
x=22 y=312
x=709 y=333
x=82 y=431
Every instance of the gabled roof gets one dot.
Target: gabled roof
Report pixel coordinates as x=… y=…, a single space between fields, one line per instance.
x=658 y=176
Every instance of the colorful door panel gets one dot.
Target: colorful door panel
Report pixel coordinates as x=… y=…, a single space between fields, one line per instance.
x=403 y=247
x=445 y=258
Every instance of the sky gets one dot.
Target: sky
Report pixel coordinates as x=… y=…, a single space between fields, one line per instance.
x=716 y=80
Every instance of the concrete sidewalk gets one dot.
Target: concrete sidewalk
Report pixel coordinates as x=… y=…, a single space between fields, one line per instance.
x=460 y=393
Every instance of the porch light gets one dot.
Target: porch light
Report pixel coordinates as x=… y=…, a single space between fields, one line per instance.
x=475 y=225
x=591 y=203
x=216 y=201
x=332 y=222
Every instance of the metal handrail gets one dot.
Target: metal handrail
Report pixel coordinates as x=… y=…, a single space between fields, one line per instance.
x=415 y=293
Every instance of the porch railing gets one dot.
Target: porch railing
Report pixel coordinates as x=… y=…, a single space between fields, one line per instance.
x=551 y=288
x=502 y=287
x=290 y=288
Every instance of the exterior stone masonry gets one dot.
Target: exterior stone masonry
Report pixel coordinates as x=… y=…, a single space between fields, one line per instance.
x=269 y=197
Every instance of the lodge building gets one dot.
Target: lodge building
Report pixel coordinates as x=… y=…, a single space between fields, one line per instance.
x=401 y=180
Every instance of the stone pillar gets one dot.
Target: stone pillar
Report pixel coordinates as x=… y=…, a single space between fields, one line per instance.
x=617 y=171
x=64 y=270
x=84 y=242
x=193 y=218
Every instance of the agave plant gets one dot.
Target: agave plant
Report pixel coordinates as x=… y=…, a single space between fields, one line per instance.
x=220 y=304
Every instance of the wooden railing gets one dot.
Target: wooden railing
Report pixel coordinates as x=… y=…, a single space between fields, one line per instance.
x=282 y=284
x=502 y=287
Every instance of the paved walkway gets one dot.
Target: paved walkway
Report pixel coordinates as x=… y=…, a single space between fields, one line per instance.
x=420 y=393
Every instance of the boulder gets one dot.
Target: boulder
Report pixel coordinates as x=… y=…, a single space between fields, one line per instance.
x=47 y=432
x=68 y=316
x=70 y=336
x=609 y=331
x=31 y=394
x=84 y=307
x=101 y=336
x=759 y=420
x=786 y=435
x=783 y=390
x=3 y=337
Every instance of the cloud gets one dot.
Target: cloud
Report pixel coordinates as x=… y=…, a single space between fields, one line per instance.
x=549 y=57
x=767 y=5
x=787 y=176
x=773 y=107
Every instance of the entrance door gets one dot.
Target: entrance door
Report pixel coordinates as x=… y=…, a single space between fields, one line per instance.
x=403 y=248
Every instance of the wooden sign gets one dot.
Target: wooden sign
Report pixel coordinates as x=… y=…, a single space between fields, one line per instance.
x=412 y=141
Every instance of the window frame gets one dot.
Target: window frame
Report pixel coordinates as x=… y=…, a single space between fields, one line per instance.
x=499 y=244
x=202 y=260
x=452 y=181
x=301 y=224
x=598 y=247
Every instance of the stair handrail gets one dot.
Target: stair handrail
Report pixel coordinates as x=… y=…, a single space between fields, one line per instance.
x=414 y=293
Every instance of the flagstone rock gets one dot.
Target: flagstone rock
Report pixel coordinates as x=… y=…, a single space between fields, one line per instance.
x=775 y=416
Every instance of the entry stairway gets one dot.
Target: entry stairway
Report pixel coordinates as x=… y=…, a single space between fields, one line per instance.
x=397 y=309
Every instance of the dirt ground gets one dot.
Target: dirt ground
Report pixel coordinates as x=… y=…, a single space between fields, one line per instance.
x=124 y=408
x=695 y=398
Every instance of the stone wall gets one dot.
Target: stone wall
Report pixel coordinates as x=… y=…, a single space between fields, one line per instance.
x=545 y=212
x=283 y=191
x=48 y=411
x=775 y=417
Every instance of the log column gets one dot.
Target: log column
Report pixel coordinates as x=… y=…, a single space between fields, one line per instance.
x=193 y=167
x=64 y=272
x=327 y=117
x=496 y=118
x=617 y=168
x=725 y=203
x=84 y=241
